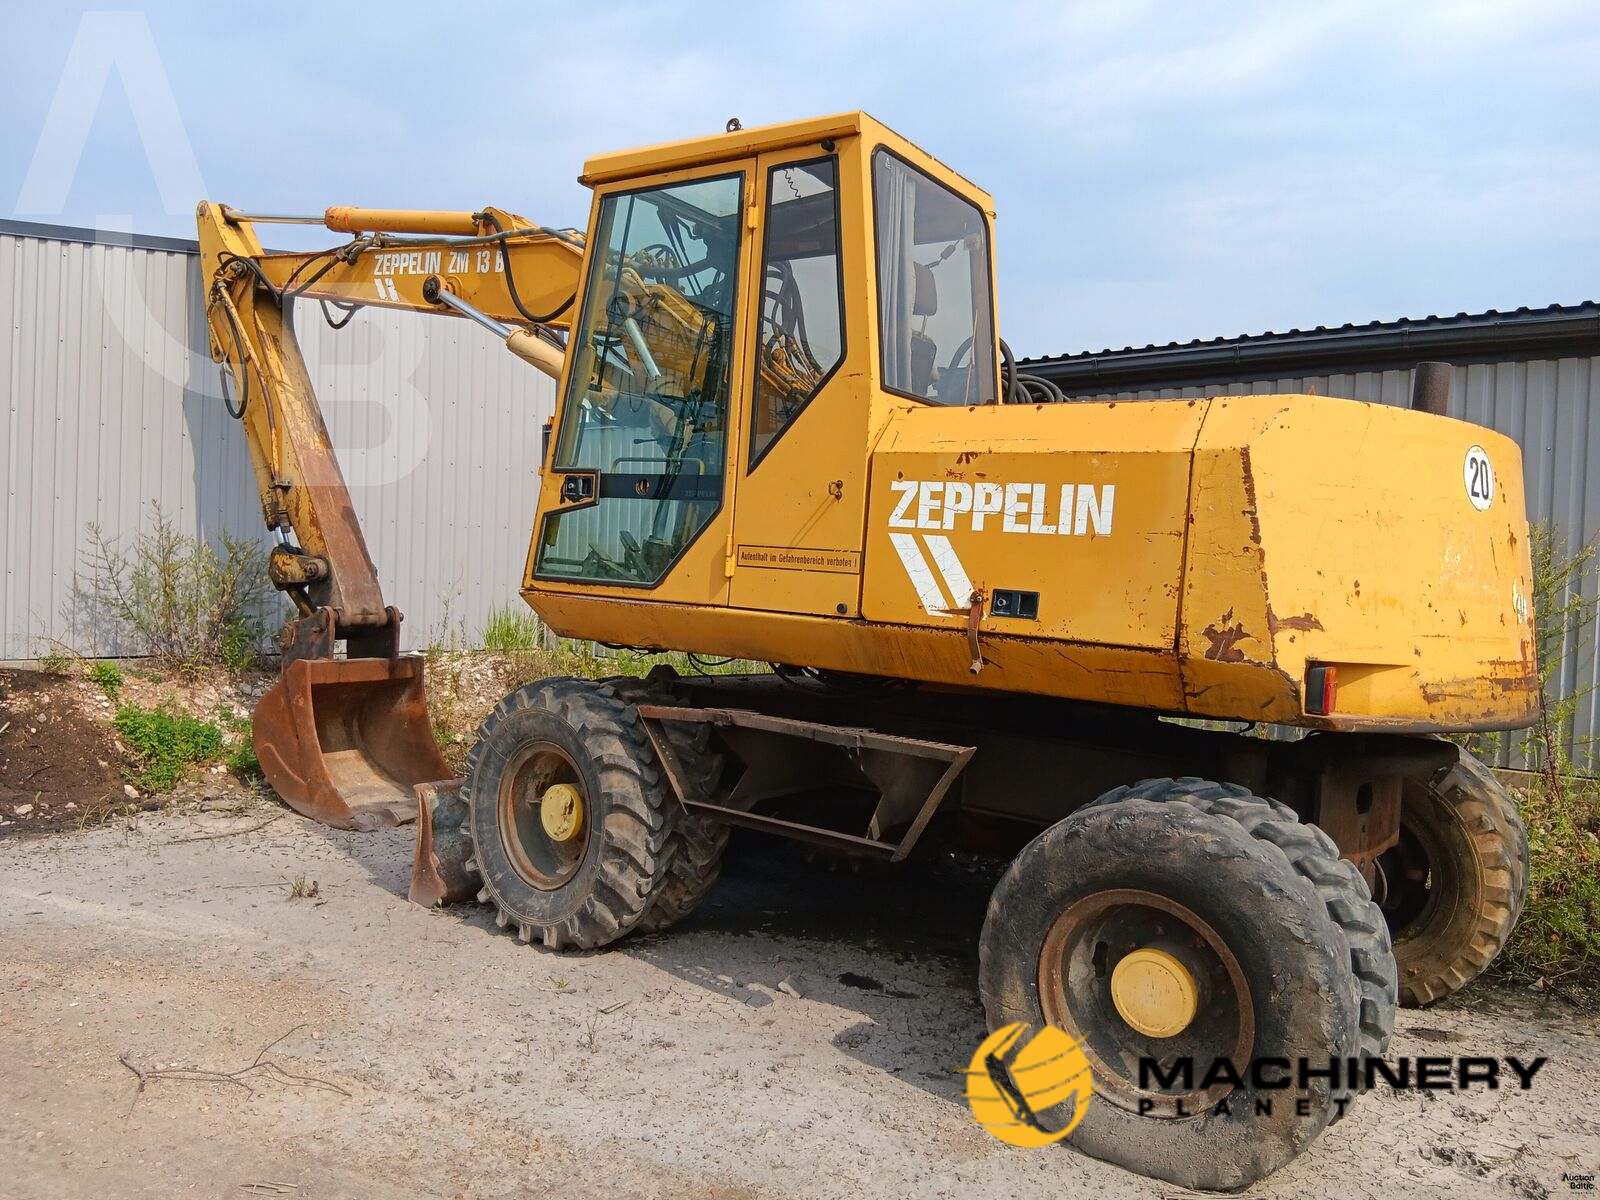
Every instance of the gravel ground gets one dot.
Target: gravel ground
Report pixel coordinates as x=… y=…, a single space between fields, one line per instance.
x=438 y=1056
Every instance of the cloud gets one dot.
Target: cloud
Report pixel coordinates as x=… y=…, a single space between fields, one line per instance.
x=1161 y=171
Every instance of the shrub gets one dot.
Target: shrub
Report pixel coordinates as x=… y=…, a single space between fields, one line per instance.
x=165 y=744
x=1563 y=612
x=108 y=676
x=55 y=662
x=1557 y=940
x=186 y=603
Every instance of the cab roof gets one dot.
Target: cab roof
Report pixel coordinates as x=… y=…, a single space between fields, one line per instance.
x=745 y=143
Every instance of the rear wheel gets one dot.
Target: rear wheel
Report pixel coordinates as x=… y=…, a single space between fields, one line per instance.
x=569 y=815
x=1180 y=919
x=1453 y=887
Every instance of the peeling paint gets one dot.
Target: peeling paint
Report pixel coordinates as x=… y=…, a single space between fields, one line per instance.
x=1224 y=634
x=1252 y=508
x=1304 y=622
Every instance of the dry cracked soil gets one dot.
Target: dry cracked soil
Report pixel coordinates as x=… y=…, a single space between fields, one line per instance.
x=406 y=1053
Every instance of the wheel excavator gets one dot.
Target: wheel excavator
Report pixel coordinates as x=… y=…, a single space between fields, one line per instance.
x=787 y=431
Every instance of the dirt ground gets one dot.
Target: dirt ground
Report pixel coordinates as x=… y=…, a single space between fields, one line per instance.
x=62 y=764
x=56 y=762
x=438 y=1056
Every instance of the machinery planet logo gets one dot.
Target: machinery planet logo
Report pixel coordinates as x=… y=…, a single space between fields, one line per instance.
x=1014 y=1082
x=1012 y=1079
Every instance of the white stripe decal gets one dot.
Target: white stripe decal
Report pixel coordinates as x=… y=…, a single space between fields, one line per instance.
x=916 y=566
x=955 y=575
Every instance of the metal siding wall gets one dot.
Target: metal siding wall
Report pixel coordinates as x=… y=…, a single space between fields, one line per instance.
x=111 y=401
x=1549 y=407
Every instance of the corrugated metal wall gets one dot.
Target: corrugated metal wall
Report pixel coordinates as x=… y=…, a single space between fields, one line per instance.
x=111 y=401
x=1552 y=409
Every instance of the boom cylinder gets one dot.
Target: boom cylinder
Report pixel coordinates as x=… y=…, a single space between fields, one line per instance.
x=344 y=219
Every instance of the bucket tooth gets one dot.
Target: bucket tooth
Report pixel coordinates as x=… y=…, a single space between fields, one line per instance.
x=472 y=867
x=484 y=895
x=552 y=937
x=501 y=918
x=525 y=932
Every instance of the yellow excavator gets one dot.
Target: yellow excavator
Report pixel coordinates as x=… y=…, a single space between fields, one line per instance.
x=787 y=431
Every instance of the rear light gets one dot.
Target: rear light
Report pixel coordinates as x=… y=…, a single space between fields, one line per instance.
x=1322 y=690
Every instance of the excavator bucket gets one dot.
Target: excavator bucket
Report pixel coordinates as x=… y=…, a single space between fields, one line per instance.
x=346 y=741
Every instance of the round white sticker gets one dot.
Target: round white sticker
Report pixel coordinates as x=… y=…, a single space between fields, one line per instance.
x=1479 y=477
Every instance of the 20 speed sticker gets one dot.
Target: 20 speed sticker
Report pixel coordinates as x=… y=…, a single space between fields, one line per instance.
x=1479 y=478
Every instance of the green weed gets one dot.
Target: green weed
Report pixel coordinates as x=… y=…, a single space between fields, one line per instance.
x=510 y=631
x=165 y=744
x=108 y=677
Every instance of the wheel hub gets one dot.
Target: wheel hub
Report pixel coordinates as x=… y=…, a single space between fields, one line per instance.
x=561 y=812
x=1154 y=992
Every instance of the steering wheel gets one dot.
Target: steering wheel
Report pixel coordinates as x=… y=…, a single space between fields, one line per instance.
x=960 y=353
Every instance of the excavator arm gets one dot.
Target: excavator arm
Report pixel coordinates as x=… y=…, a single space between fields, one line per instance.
x=347 y=740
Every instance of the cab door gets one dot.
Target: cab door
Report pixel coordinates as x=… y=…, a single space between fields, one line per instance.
x=801 y=497
x=639 y=490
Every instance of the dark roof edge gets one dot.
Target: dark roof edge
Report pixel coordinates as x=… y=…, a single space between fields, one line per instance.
x=1557 y=331
x=96 y=237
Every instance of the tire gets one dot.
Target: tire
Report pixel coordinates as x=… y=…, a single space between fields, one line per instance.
x=1309 y=948
x=696 y=843
x=1455 y=884
x=567 y=895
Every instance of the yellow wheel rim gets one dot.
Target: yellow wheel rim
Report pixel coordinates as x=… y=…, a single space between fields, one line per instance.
x=561 y=812
x=1154 y=993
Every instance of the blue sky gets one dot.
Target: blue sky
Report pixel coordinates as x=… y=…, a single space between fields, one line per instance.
x=1162 y=171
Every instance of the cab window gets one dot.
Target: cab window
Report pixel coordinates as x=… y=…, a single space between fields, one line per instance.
x=935 y=306
x=801 y=336
x=648 y=392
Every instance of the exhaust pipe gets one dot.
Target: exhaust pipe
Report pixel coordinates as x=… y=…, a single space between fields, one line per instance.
x=1430 y=388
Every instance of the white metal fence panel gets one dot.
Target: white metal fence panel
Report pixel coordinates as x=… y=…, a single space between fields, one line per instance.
x=111 y=401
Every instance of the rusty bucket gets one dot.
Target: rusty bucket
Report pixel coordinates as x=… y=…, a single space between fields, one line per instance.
x=346 y=741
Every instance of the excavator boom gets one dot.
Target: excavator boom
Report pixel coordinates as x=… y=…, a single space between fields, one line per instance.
x=347 y=740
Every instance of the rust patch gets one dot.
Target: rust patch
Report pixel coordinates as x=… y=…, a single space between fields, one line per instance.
x=1224 y=638
x=967 y=456
x=1357 y=585
x=1304 y=622
x=1252 y=509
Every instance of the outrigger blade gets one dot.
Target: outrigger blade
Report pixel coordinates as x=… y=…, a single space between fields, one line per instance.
x=439 y=870
x=346 y=741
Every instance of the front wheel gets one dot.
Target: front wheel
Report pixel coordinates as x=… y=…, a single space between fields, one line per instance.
x=569 y=815
x=1181 y=920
